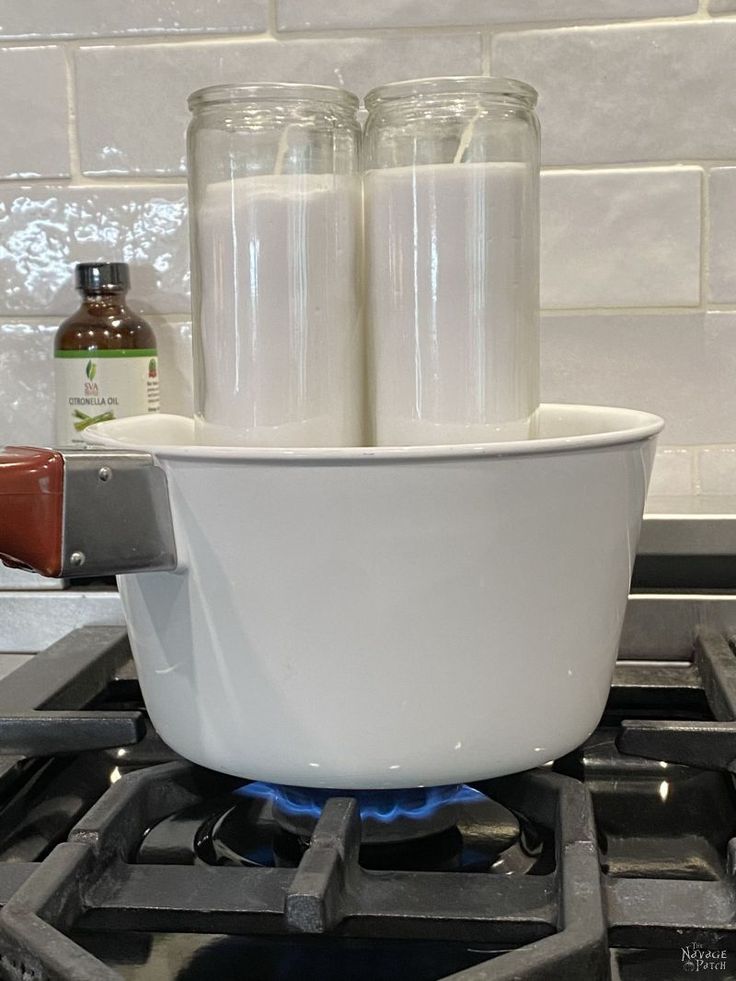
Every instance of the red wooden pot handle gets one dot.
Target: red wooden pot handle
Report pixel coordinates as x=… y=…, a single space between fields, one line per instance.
x=31 y=499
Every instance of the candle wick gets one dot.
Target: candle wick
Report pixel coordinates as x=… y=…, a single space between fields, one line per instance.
x=466 y=137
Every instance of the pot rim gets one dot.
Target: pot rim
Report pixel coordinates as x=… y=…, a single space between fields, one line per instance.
x=618 y=426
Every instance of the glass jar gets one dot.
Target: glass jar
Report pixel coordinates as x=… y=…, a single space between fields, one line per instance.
x=452 y=240
x=275 y=229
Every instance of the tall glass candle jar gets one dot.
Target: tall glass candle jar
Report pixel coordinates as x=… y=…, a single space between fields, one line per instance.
x=275 y=213
x=452 y=239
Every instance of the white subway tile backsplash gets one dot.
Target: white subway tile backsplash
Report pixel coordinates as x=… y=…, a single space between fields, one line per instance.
x=681 y=366
x=145 y=134
x=673 y=471
x=717 y=470
x=621 y=238
x=90 y=18
x=722 y=244
x=613 y=91
x=27 y=383
x=629 y=93
x=296 y=15
x=33 y=108
x=45 y=230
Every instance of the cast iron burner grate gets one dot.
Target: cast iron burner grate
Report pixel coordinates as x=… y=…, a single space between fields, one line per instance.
x=589 y=916
x=88 y=881
x=43 y=704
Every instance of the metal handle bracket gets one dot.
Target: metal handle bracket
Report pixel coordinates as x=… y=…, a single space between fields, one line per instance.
x=116 y=516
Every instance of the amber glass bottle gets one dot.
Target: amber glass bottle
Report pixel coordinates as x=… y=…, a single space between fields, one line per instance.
x=105 y=356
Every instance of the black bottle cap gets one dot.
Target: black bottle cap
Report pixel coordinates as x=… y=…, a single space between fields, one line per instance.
x=97 y=277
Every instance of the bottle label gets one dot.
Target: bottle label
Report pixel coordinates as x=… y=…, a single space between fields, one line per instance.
x=97 y=386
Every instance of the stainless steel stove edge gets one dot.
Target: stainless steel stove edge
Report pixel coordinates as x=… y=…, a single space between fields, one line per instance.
x=32 y=620
x=20 y=579
x=698 y=525
x=663 y=626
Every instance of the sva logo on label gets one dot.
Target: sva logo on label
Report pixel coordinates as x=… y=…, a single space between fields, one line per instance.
x=90 y=386
x=696 y=958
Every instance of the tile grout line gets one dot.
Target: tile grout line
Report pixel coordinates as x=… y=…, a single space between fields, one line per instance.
x=32 y=320
x=75 y=166
x=648 y=165
x=166 y=39
x=695 y=478
x=51 y=319
x=123 y=180
x=272 y=25
x=87 y=182
x=176 y=178
x=705 y=240
x=272 y=31
x=192 y=39
x=486 y=54
x=666 y=20
x=653 y=311
x=577 y=313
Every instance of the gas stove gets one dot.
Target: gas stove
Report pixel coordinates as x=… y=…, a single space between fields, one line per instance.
x=615 y=863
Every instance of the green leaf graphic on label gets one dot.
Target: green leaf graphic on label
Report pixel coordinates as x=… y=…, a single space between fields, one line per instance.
x=83 y=420
x=91 y=370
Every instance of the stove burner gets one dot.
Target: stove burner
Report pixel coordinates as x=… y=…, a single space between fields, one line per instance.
x=239 y=830
x=386 y=816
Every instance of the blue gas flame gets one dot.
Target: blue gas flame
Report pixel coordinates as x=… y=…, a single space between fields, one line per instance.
x=383 y=806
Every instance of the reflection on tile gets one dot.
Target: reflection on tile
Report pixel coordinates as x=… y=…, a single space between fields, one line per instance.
x=621 y=238
x=111 y=142
x=629 y=93
x=44 y=231
x=27 y=383
x=680 y=366
x=673 y=471
x=90 y=18
x=717 y=470
x=294 y=15
x=33 y=108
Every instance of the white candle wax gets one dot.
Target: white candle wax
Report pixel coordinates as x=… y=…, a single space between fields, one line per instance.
x=453 y=297
x=278 y=360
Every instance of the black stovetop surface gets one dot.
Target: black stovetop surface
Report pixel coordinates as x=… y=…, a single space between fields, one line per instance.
x=124 y=861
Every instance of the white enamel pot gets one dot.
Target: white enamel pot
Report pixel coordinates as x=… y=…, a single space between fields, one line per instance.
x=370 y=617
